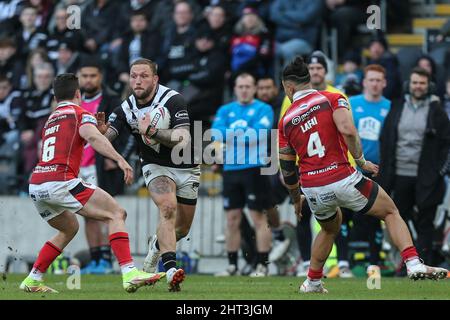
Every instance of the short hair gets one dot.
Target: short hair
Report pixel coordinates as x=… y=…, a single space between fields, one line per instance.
x=7 y=43
x=153 y=66
x=65 y=86
x=90 y=62
x=139 y=12
x=245 y=75
x=266 y=78
x=296 y=71
x=422 y=72
x=4 y=78
x=375 y=67
x=45 y=66
x=27 y=7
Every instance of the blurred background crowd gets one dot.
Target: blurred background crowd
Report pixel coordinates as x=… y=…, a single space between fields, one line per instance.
x=201 y=46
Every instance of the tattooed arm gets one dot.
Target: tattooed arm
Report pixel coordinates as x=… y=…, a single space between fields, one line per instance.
x=289 y=170
x=168 y=137
x=171 y=137
x=105 y=127
x=111 y=134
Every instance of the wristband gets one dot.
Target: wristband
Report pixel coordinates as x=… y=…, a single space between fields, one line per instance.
x=361 y=161
x=150 y=128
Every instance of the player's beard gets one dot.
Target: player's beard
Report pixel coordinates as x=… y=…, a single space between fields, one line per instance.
x=143 y=94
x=90 y=91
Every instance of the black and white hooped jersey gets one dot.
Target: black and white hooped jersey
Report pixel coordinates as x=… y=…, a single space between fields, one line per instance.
x=125 y=117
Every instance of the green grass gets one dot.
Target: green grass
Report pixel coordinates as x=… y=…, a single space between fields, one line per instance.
x=211 y=288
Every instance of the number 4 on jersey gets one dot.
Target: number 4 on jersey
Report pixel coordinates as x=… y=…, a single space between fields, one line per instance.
x=48 y=150
x=315 y=146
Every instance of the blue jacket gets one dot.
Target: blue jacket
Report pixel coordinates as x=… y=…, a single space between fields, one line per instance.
x=369 y=119
x=296 y=19
x=245 y=132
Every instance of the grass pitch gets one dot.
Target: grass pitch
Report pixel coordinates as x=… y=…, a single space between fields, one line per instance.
x=199 y=287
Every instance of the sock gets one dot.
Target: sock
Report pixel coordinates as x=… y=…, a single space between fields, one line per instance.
x=47 y=255
x=105 y=253
x=232 y=258
x=35 y=274
x=95 y=253
x=410 y=257
x=169 y=260
x=127 y=267
x=120 y=245
x=314 y=276
x=343 y=264
x=306 y=264
x=278 y=234
x=263 y=258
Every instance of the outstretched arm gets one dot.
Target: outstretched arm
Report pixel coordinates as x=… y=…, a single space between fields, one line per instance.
x=100 y=144
x=105 y=127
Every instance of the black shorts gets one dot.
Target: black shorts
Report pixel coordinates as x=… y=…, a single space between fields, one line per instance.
x=278 y=193
x=246 y=187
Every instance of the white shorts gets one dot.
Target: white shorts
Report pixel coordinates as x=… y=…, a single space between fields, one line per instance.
x=89 y=174
x=187 y=180
x=53 y=198
x=356 y=192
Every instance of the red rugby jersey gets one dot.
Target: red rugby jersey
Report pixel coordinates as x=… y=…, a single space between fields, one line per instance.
x=308 y=127
x=62 y=145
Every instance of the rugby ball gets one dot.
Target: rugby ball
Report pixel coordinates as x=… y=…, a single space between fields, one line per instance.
x=160 y=119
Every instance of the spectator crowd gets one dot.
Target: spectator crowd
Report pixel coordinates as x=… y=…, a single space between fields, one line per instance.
x=201 y=47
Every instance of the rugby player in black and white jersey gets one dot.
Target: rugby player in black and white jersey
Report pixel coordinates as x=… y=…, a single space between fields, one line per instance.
x=173 y=187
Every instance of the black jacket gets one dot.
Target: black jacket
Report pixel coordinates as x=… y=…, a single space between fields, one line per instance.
x=435 y=149
x=150 y=49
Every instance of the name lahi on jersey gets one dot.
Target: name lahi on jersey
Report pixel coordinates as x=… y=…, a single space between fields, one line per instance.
x=309 y=124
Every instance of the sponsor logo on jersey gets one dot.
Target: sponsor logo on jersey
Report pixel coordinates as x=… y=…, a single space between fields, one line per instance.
x=296 y=120
x=265 y=121
x=155 y=120
x=112 y=117
x=182 y=115
x=343 y=103
x=87 y=118
x=334 y=166
x=44 y=169
x=359 y=109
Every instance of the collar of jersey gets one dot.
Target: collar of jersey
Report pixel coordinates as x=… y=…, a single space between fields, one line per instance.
x=303 y=93
x=66 y=103
x=92 y=98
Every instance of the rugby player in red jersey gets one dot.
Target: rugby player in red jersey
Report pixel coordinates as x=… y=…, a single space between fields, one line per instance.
x=318 y=128
x=58 y=193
